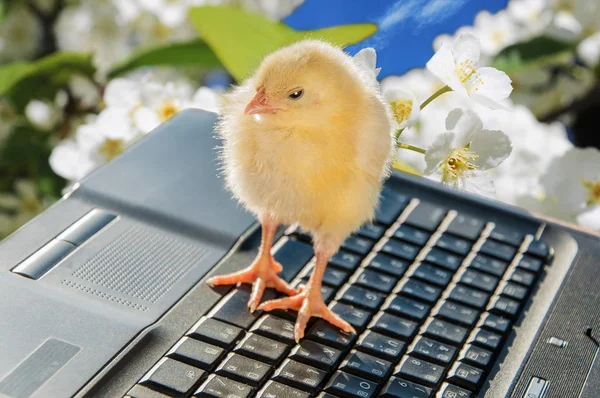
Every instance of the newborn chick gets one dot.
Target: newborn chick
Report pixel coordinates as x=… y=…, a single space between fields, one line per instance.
x=307 y=140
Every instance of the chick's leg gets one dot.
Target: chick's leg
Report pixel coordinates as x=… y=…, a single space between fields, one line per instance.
x=262 y=273
x=309 y=302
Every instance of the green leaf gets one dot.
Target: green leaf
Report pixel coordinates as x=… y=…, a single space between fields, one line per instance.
x=23 y=81
x=240 y=39
x=194 y=52
x=533 y=53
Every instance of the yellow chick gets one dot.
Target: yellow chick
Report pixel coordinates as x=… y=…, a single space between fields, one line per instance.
x=307 y=140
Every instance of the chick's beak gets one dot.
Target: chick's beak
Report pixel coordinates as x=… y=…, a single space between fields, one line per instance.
x=260 y=104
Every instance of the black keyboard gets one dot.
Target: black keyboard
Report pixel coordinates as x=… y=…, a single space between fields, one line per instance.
x=431 y=292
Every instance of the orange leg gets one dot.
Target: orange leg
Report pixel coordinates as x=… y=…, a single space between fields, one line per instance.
x=262 y=273
x=309 y=301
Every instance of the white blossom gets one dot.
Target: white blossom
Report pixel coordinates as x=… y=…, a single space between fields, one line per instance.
x=495 y=32
x=43 y=114
x=20 y=34
x=404 y=107
x=460 y=156
x=272 y=9
x=457 y=65
x=589 y=49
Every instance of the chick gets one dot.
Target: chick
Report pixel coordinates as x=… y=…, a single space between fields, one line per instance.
x=307 y=140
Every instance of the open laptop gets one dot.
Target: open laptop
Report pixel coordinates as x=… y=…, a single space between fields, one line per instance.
x=103 y=294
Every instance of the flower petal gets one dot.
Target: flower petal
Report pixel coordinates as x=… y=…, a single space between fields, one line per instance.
x=206 y=99
x=492 y=147
x=442 y=65
x=465 y=123
x=70 y=162
x=438 y=151
x=366 y=58
x=590 y=218
x=401 y=96
x=146 y=120
x=121 y=93
x=488 y=86
x=479 y=183
x=466 y=48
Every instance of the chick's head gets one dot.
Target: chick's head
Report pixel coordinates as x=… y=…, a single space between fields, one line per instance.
x=309 y=85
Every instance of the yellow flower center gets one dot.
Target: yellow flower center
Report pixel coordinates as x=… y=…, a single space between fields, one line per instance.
x=166 y=110
x=498 y=36
x=112 y=148
x=465 y=70
x=457 y=164
x=161 y=31
x=401 y=110
x=593 y=188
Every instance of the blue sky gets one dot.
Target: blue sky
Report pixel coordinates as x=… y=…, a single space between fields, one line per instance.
x=406 y=27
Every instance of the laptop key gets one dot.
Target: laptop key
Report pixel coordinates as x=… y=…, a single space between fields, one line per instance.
x=466 y=227
x=317 y=355
x=244 y=370
x=345 y=260
x=421 y=291
x=400 y=249
x=444 y=259
x=479 y=280
x=400 y=388
x=173 y=377
x=498 y=249
x=358 y=244
x=367 y=366
x=196 y=353
x=332 y=277
x=345 y=385
x=435 y=275
x=139 y=391
x=262 y=349
x=375 y=280
x=381 y=346
x=217 y=387
x=216 y=332
x=274 y=389
x=407 y=308
x=293 y=255
x=433 y=351
x=468 y=296
x=299 y=375
x=395 y=326
x=505 y=307
x=514 y=291
x=454 y=244
x=412 y=235
x=507 y=235
x=452 y=391
x=362 y=297
x=538 y=248
x=353 y=315
x=531 y=263
x=421 y=371
x=390 y=206
x=486 y=339
x=426 y=216
x=466 y=376
x=387 y=264
x=275 y=328
x=496 y=323
x=325 y=333
x=477 y=356
x=235 y=309
x=489 y=264
x=446 y=331
x=371 y=231
x=458 y=313
x=522 y=277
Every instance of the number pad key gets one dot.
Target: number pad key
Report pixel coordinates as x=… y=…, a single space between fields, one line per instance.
x=400 y=249
x=316 y=354
x=434 y=351
x=444 y=259
x=486 y=339
x=468 y=296
x=496 y=323
x=400 y=388
x=522 y=277
x=244 y=370
x=451 y=391
x=372 y=231
x=381 y=346
x=505 y=307
x=477 y=356
x=426 y=216
x=421 y=291
x=489 y=264
x=358 y=244
x=514 y=291
x=345 y=385
x=497 y=249
x=458 y=313
x=479 y=280
x=466 y=226
x=300 y=375
x=466 y=376
x=421 y=371
x=445 y=331
x=367 y=366
x=217 y=387
x=454 y=244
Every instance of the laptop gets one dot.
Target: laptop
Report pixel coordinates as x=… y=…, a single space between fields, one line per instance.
x=452 y=295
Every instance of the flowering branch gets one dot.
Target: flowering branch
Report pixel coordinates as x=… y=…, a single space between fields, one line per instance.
x=441 y=91
x=411 y=148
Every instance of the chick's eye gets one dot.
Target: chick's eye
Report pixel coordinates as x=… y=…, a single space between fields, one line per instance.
x=296 y=94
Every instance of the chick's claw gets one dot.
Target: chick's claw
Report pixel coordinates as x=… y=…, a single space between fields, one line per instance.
x=308 y=305
x=261 y=275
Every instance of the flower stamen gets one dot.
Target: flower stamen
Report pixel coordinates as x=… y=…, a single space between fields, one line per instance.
x=593 y=189
x=166 y=110
x=401 y=110
x=459 y=162
x=111 y=148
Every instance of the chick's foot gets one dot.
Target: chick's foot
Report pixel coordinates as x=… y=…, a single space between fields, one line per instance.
x=308 y=302
x=261 y=274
